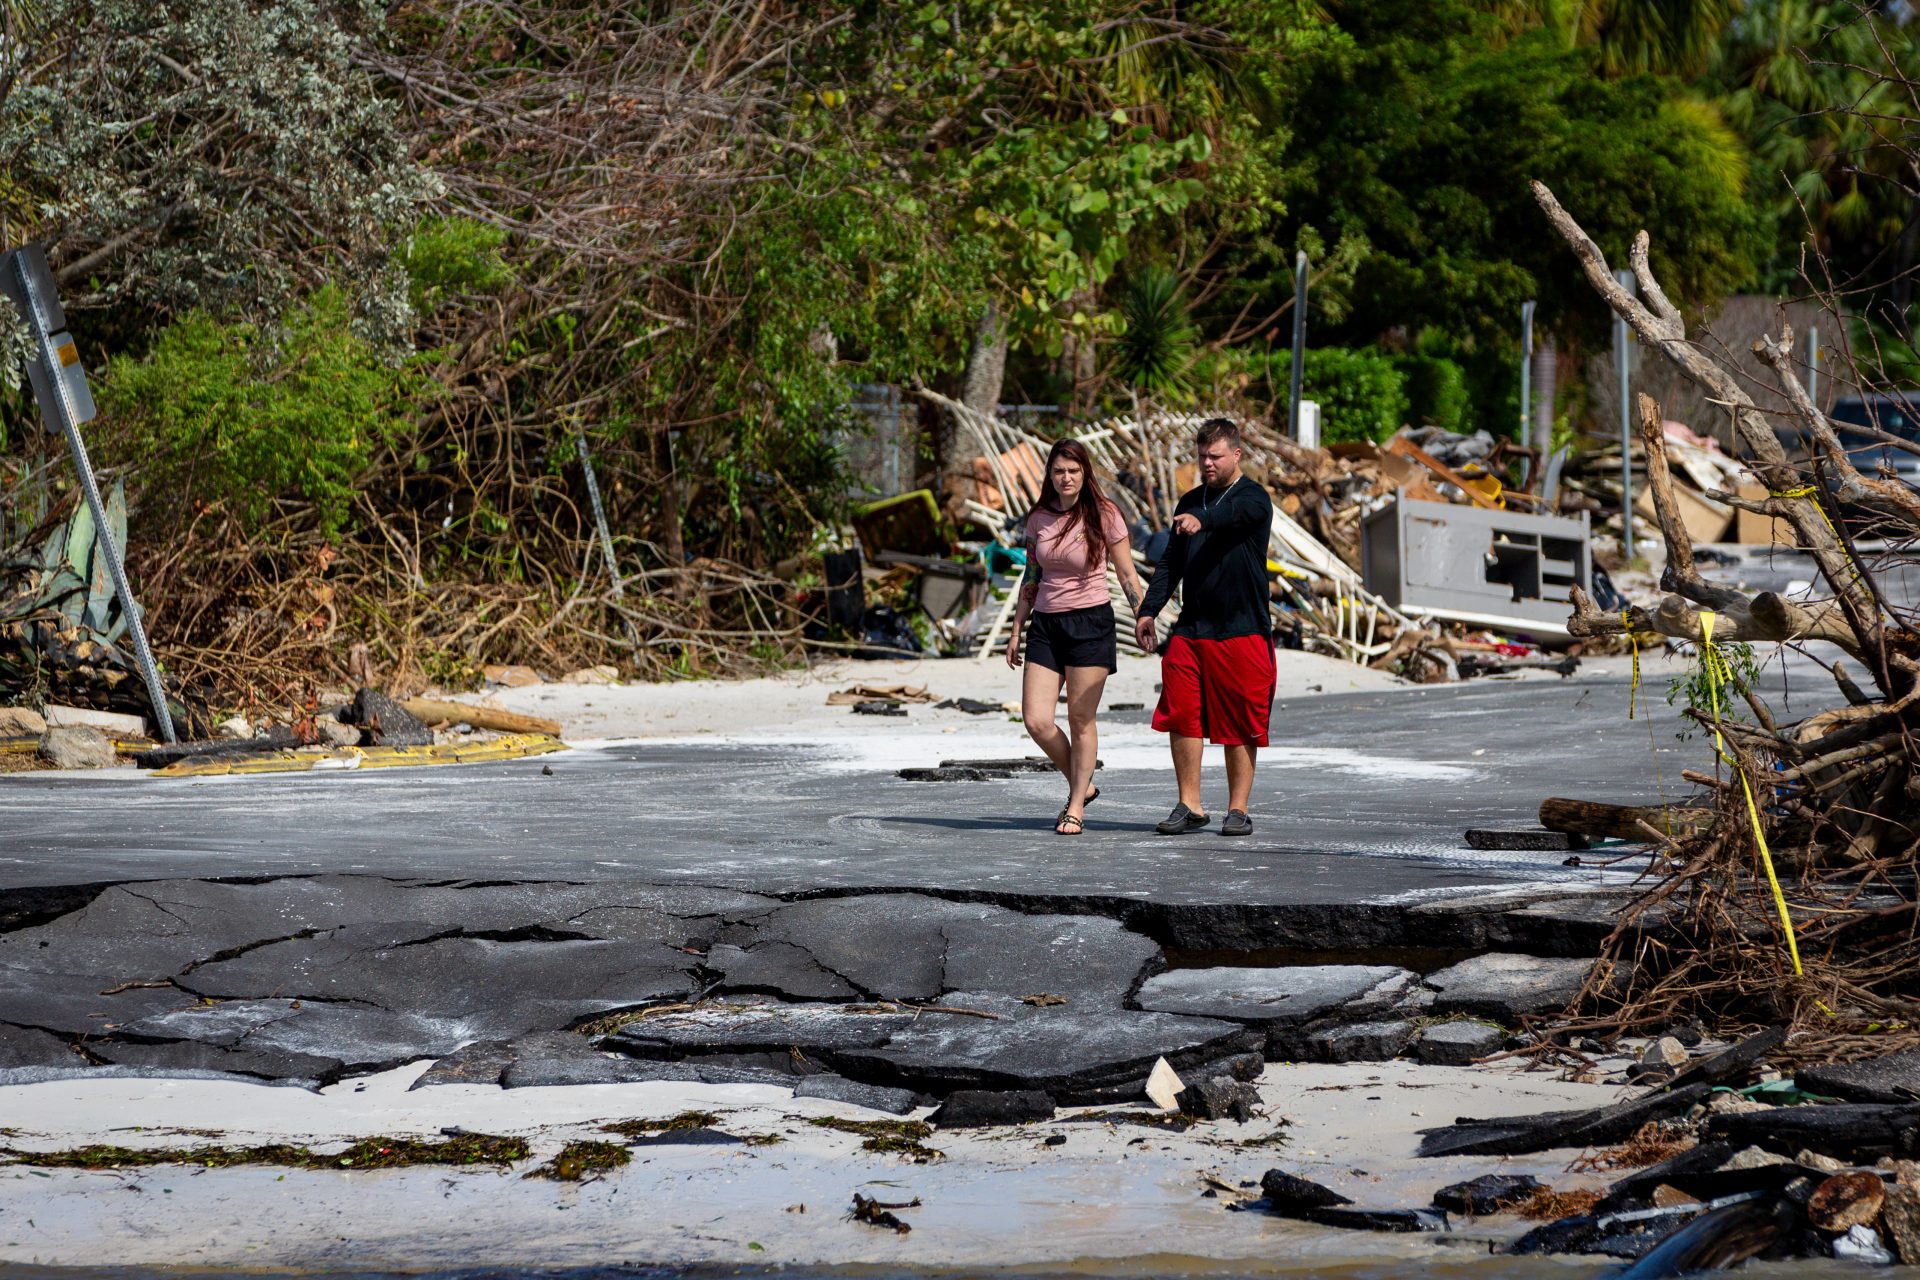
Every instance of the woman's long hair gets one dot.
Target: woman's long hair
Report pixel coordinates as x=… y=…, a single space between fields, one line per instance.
x=1087 y=512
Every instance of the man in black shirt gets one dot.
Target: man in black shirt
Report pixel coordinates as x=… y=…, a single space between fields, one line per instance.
x=1216 y=672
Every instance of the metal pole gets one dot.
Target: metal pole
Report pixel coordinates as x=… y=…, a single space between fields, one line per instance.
x=1623 y=359
x=599 y=512
x=102 y=530
x=1813 y=365
x=1299 y=342
x=1526 y=385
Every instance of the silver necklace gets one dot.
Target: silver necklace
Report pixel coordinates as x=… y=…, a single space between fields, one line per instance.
x=1207 y=498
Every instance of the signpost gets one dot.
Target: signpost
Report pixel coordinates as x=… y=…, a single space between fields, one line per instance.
x=60 y=387
x=1623 y=360
x=1299 y=342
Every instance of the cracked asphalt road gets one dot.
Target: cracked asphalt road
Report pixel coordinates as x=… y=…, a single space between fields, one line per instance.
x=301 y=927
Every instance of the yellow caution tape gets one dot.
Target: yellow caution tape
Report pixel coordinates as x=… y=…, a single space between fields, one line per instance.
x=507 y=747
x=1809 y=491
x=1633 y=690
x=1714 y=665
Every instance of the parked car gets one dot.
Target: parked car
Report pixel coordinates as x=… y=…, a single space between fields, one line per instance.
x=1891 y=412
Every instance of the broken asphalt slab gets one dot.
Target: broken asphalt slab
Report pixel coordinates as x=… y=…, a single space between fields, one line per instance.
x=516 y=904
x=1350 y=838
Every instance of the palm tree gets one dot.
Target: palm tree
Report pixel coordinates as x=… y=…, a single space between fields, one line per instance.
x=1662 y=37
x=1156 y=352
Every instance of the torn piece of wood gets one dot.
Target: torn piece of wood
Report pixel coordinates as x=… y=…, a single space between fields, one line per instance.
x=1621 y=821
x=437 y=711
x=1407 y=448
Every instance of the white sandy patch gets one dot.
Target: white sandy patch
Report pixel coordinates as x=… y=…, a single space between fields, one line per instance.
x=796 y=701
x=999 y=1197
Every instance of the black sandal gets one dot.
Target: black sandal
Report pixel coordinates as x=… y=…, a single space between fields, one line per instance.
x=1064 y=818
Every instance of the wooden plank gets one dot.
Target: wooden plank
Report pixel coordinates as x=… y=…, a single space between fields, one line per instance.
x=436 y=711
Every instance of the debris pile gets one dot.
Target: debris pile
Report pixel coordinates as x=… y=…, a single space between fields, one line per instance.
x=1329 y=593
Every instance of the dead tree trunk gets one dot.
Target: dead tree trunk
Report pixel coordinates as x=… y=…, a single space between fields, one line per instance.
x=1828 y=802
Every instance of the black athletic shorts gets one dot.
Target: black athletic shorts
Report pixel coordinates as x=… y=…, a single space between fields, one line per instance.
x=1073 y=638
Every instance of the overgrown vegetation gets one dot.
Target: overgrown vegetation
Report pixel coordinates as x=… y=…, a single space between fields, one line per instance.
x=365 y=277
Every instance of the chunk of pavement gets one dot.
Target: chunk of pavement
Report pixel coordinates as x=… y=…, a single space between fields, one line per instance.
x=958 y=774
x=245 y=1060
x=1490 y=1193
x=1506 y=987
x=1292 y=1196
x=1519 y=1135
x=779 y=968
x=1456 y=1044
x=493 y=988
x=1859 y=1132
x=596 y=1068
x=482 y=1062
x=820 y=1031
x=1070 y=1051
x=687 y=1138
x=21 y=722
x=1400 y=1220
x=874 y=1097
x=888 y=946
x=978 y=1108
x=1241 y=1066
x=1164 y=1085
x=1220 y=1098
x=1893 y=1077
x=388 y=724
x=1289 y=995
x=31 y=1047
x=1091 y=961
x=76 y=746
x=1363 y=1042
x=1531 y=839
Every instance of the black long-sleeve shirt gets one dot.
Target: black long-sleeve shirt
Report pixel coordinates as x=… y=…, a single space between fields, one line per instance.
x=1223 y=567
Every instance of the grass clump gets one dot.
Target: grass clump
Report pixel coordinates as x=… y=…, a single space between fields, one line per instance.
x=672 y=1124
x=906 y=1138
x=579 y=1160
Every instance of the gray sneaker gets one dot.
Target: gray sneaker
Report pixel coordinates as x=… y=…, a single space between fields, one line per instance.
x=1237 y=823
x=1181 y=821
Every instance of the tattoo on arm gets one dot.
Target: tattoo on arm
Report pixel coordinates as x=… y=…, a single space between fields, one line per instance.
x=1030 y=582
x=1131 y=588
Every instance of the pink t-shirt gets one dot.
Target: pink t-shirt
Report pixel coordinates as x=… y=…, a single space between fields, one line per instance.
x=1066 y=580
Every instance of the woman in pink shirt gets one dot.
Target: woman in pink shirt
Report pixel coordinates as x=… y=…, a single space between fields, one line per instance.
x=1073 y=534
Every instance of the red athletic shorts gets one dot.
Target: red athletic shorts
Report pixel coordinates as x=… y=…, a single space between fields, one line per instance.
x=1220 y=690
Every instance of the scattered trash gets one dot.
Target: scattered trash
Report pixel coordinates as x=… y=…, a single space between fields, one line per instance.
x=878 y=709
x=1164 y=1086
x=856 y=694
x=877 y=1214
x=1488 y=1194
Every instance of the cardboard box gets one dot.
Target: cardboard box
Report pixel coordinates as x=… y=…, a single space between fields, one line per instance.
x=1757 y=530
x=1704 y=519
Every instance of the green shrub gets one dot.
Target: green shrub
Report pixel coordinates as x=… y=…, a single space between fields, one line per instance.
x=228 y=412
x=1361 y=394
x=1437 y=393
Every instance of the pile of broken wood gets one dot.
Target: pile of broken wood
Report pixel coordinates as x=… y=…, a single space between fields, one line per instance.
x=1717 y=1173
